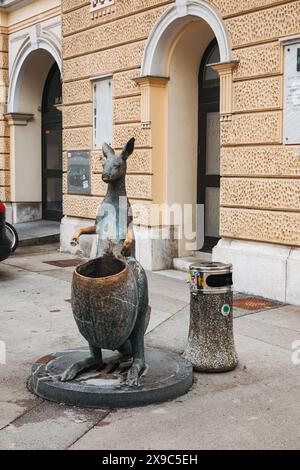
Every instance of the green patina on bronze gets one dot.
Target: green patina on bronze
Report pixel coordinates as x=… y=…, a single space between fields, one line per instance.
x=110 y=293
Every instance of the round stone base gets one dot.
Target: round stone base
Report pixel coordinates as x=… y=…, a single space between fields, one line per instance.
x=166 y=377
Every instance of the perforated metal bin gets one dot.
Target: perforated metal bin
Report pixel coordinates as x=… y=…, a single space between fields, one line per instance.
x=210 y=346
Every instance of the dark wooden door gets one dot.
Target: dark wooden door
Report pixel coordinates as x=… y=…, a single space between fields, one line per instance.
x=209 y=147
x=52 y=147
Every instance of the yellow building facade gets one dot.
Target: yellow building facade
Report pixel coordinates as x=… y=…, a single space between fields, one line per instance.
x=210 y=91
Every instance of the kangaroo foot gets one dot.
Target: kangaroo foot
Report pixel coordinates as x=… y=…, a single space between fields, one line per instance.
x=81 y=366
x=134 y=372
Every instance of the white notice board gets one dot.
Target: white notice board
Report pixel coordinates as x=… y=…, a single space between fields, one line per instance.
x=291 y=128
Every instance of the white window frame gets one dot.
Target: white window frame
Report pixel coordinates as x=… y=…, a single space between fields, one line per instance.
x=102 y=111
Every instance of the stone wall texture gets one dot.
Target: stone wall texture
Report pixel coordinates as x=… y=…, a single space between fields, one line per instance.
x=112 y=44
x=4 y=129
x=260 y=176
x=260 y=189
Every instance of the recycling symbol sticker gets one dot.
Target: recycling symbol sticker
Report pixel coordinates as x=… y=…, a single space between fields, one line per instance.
x=226 y=309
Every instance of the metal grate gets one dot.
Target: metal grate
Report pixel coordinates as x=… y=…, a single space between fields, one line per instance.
x=66 y=263
x=255 y=303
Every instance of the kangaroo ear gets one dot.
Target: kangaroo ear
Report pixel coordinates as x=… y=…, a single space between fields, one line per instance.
x=107 y=150
x=128 y=149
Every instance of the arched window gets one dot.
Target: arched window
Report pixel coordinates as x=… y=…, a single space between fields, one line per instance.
x=210 y=78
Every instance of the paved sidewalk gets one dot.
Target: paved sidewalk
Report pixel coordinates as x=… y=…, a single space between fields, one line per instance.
x=254 y=407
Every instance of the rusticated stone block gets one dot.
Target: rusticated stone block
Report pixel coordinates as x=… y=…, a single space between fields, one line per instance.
x=4 y=129
x=257 y=61
x=127 y=109
x=261 y=225
x=3 y=109
x=4 y=76
x=99 y=188
x=80 y=138
x=78 y=115
x=124 y=85
x=255 y=128
x=71 y=4
x=231 y=7
x=122 y=133
x=251 y=28
x=259 y=94
x=4 y=178
x=65 y=161
x=112 y=34
x=108 y=61
x=4 y=162
x=81 y=19
x=3 y=42
x=4 y=145
x=260 y=193
x=65 y=183
x=81 y=206
x=5 y=194
x=139 y=186
x=77 y=92
x=139 y=162
x=260 y=161
x=4 y=60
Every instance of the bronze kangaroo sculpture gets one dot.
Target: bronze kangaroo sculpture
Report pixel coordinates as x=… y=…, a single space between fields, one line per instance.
x=110 y=223
x=114 y=226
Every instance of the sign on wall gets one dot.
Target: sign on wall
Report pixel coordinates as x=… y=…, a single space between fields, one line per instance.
x=79 y=172
x=292 y=94
x=102 y=7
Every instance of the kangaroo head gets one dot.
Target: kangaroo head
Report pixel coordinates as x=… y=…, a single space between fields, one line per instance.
x=115 y=166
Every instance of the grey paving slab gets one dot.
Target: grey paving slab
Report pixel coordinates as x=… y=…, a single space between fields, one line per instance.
x=49 y=426
x=253 y=417
x=255 y=327
x=61 y=274
x=172 y=334
x=35 y=320
x=254 y=406
x=286 y=317
x=37 y=263
x=166 y=303
x=157 y=317
x=173 y=273
x=173 y=288
x=36 y=250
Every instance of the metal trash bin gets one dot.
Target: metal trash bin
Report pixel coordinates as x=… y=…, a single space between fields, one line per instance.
x=210 y=346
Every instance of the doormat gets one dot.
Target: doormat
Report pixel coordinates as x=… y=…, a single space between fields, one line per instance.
x=66 y=263
x=255 y=303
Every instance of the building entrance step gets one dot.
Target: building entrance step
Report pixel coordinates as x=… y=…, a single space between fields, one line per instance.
x=183 y=264
x=40 y=232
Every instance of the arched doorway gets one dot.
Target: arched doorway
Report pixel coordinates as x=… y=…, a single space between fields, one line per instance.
x=170 y=90
x=30 y=76
x=208 y=187
x=52 y=147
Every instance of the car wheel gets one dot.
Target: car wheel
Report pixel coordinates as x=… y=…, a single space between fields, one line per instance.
x=12 y=235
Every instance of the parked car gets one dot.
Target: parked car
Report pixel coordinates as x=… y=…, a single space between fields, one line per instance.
x=5 y=242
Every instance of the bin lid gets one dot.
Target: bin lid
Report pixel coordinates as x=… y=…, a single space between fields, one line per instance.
x=211 y=267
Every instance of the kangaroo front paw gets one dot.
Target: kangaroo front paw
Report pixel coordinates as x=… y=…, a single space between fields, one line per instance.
x=133 y=376
x=82 y=366
x=71 y=373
